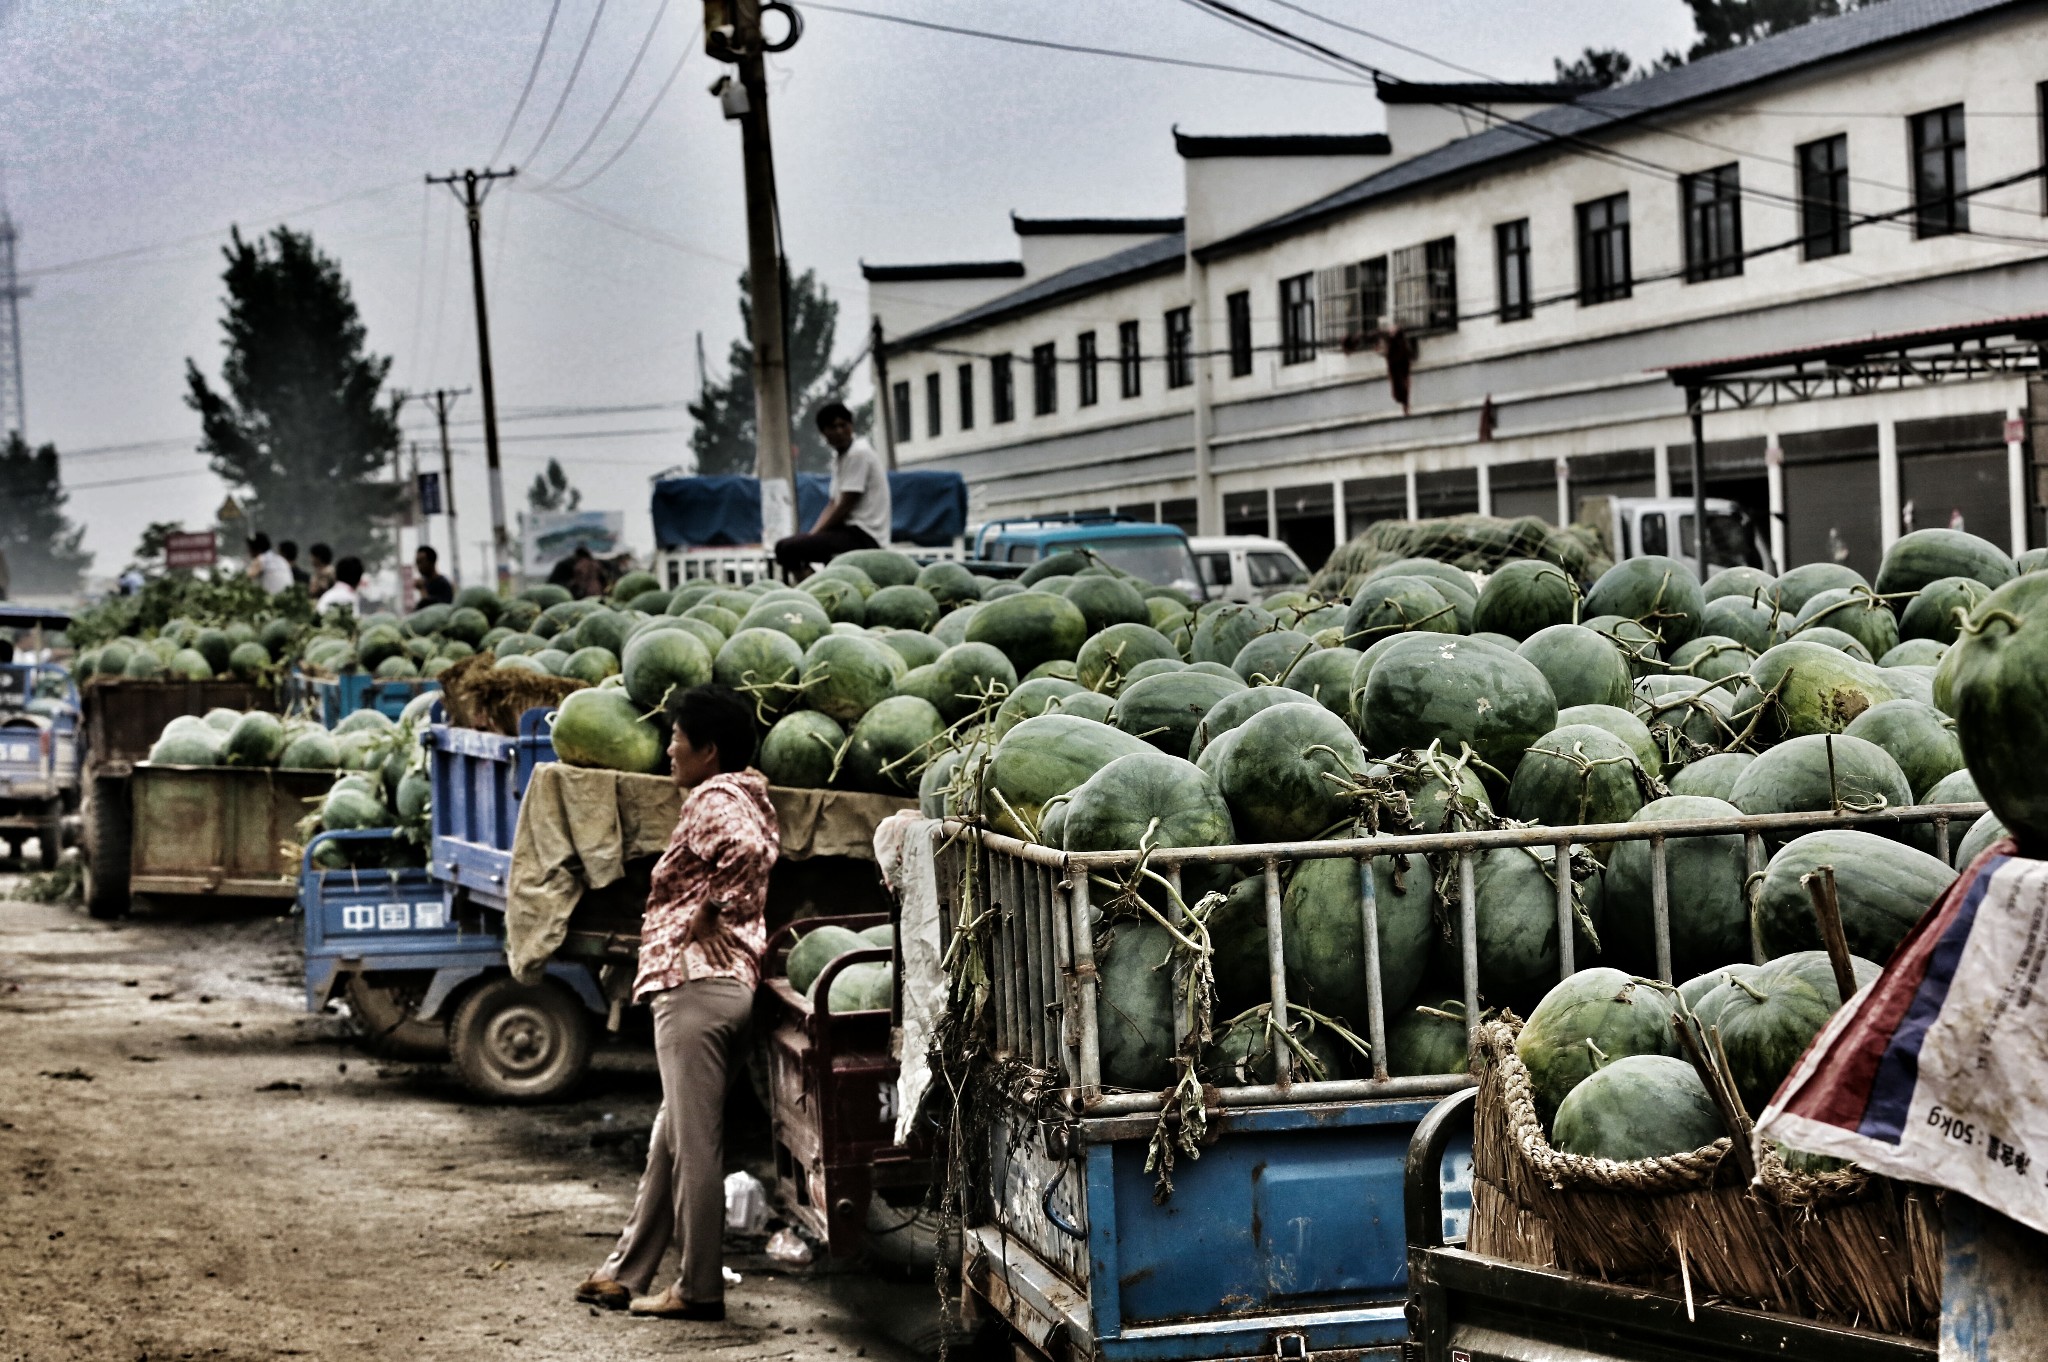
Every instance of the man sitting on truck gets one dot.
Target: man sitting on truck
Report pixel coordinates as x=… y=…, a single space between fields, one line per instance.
x=859 y=514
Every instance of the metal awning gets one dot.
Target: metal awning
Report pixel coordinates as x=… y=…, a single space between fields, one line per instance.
x=1866 y=364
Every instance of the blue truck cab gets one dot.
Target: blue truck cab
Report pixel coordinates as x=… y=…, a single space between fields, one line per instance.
x=39 y=741
x=1157 y=553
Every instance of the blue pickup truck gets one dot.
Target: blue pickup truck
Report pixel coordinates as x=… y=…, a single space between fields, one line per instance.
x=39 y=744
x=1154 y=552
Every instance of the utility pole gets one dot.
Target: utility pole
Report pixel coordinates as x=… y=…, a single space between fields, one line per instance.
x=422 y=525
x=13 y=398
x=474 y=187
x=733 y=33
x=443 y=399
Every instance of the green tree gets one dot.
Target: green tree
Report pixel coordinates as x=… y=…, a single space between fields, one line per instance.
x=39 y=546
x=149 y=549
x=551 y=490
x=1723 y=24
x=303 y=423
x=723 y=439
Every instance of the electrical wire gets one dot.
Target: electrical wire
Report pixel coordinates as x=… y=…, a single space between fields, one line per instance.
x=570 y=84
x=689 y=50
x=419 y=293
x=631 y=228
x=1076 y=47
x=605 y=118
x=1383 y=40
x=527 y=90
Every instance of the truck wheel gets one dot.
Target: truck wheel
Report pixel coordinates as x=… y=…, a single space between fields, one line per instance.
x=517 y=1042
x=49 y=841
x=383 y=1020
x=106 y=850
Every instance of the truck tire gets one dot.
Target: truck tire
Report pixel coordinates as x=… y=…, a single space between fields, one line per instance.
x=107 y=833
x=49 y=842
x=515 y=1042
x=382 y=1018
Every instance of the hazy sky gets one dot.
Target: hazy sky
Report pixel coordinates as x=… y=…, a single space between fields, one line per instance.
x=133 y=134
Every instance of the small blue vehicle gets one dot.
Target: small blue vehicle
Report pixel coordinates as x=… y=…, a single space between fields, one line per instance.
x=39 y=758
x=334 y=698
x=1157 y=553
x=418 y=953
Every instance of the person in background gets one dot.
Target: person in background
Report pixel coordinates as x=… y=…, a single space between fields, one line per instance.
x=322 y=575
x=266 y=568
x=434 y=589
x=289 y=551
x=586 y=575
x=348 y=575
x=700 y=960
x=858 y=516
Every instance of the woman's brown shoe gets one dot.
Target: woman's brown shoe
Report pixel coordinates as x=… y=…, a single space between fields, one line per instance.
x=603 y=1291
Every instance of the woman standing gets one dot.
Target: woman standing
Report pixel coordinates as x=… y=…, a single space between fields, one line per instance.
x=700 y=960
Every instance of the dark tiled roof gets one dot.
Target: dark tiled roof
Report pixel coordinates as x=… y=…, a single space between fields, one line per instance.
x=1193 y=147
x=1159 y=256
x=1093 y=226
x=966 y=269
x=1478 y=92
x=1821 y=41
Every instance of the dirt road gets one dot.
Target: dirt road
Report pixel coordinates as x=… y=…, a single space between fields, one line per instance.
x=192 y=1167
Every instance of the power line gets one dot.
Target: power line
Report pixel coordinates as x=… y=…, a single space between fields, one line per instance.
x=613 y=107
x=569 y=84
x=631 y=228
x=1382 y=39
x=689 y=49
x=1077 y=47
x=532 y=71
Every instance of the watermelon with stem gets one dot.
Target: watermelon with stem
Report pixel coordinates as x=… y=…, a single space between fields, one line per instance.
x=1582 y=667
x=1638 y=1107
x=1515 y=897
x=1166 y=710
x=1881 y=888
x=1323 y=933
x=1287 y=773
x=1767 y=1019
x=1586 y=1022
x=1526 y=596
x=1575 y=775
x=1706 y=881
x=1457 y=691
x=1658 y=592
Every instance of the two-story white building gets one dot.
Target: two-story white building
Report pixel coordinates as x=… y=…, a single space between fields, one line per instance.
x=1532 y=260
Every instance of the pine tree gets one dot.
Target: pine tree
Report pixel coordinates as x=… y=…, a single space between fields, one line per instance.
x=724 y=435
x=551 y=490
x=39 y=543
x=303 y=424
x=1723 y=24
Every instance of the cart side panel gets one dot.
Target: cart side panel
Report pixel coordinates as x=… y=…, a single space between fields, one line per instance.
x=216 y=824
x=123 y=719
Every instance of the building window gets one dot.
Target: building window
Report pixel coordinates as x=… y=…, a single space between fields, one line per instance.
x=931 y=405
x=1824 y=197
x=1511 y=270
x=1002 y=389
x=1604 y=271
x=1297 y=319
x=1940 y=173
x=1128 y=359
x=1180 y=347
x=1045 y=380
x=967 y=397
x=1712 y=204
x=1238 y=306
x=1425 y=286
x=1352 y=304
x=899 y=409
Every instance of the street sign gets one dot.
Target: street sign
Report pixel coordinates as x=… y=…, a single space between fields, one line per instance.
x=430 y=493
x=194 y=549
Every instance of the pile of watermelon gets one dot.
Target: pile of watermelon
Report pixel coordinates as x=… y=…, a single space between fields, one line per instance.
x=1084 y=709
x=864 y=986
x=186 y=650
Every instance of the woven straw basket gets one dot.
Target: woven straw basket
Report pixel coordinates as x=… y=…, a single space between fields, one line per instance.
x=1845 y=1247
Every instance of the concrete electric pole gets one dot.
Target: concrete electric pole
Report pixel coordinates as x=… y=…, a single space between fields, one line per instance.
x=732 y=33
x=470 y=188
x=443 y=399
x=13 y=398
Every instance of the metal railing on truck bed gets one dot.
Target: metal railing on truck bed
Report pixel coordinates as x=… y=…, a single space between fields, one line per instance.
x=1286 y=1232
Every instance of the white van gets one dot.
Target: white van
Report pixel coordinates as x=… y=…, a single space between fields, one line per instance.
x=1245 y=567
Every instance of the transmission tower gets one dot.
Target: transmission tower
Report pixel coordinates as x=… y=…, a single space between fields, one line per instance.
x=13 y=405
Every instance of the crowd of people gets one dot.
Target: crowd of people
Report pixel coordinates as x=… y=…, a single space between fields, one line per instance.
x=336 y=583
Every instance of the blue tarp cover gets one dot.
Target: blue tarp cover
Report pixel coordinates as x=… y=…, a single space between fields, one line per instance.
x=929 y=507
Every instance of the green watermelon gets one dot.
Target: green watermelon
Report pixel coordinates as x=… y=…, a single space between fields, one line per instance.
x=364 y=721
x=1815 y=689
x=868 y=986
x=1703 y=711
x=816 y=949
x=1706 y=878
x=1062 y=564
x=1150 y=793
x=257 y=739
x=222 y=720
x=841 y=600
x=1768 y=1019
x=969 y=676
x=1702 y=993
x=1957 y=787
x=1576 y=775
x=1638 y=1107
x=1457 y=690
x=1915 y=652
x=415 y=793
x=1711 y=657
x=1996 y=679
x=1107 y=659
x=1398 y=605
x=915 y=648
x=888 y=748
x=1919 y=738
x=1157 y=666
x=1165 y=710
x=662 y=661
x=1325 y=677
x=1516 y=902
x=844 y=676
x=1432 y=1039
x=838 y=571
x=1105 y=601
x=1443 y=794
x=1059 y=669
x=1939 y=608
x=801 y=750
x=1914 y=560
x=1803 y=583
x=726 y=622
x=591 y=665
x=1659 y=592
x=1793 y=777
x=1324 y=935
x=1221 y=634
x=313 y=749
x=214 y=646
x=1525 y=597
x=1046 y=757
x=884 y=567
x=602 y=727
x=1446 y=578
x=1237 y=939
x=1029 y=700
x=1134 y=1008
x=545 y=594
x=1979 y=839
x=1882 y=888
x=1711 y=777
x=1641 y=648
x=190 y=744
x=1623 y=725
x=1581 y=667
x=798 y=616
x=937 y=795
x=1854 y=612
x=1270 y=659
x=1281 y=773
x=1233 y=709
x=1591 y=1020
x=348 y=809
x=1744 y=582
x=1246 y=1053
x=1754 y=624
x=1029 y=628
x=188 y=664
x=519 y=662
x=765 y=664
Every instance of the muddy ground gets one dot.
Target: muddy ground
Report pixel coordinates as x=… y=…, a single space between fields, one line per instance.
x=193 y=1167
